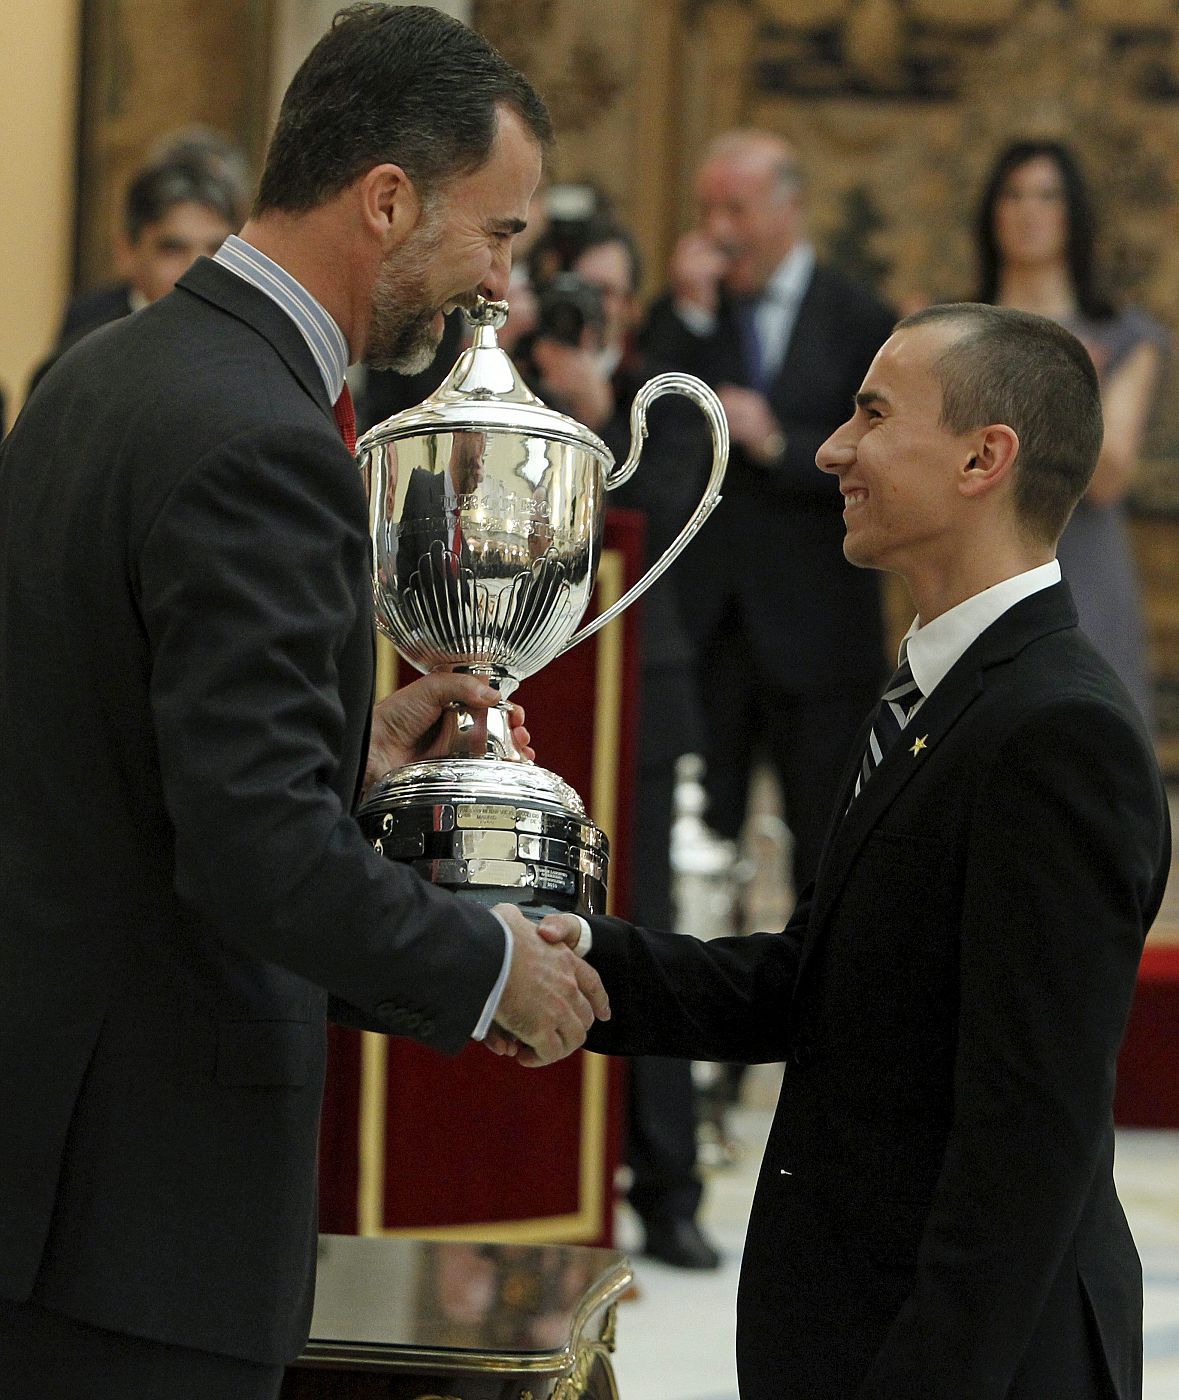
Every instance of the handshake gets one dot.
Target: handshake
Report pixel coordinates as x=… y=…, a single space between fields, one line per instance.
x=551 y=997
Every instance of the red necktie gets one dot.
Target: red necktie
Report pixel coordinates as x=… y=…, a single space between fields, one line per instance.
x=345 y=411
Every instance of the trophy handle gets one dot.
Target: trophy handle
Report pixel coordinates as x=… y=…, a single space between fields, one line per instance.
x=703 y=397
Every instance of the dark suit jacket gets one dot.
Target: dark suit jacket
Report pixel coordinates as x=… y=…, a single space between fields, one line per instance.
x=774 y=546
x=83 y=315
x=936 y=1216
x=186 y=665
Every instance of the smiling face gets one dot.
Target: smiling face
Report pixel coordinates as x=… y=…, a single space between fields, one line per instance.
x=1031 y=215
x=461 y=248
x=898 y=468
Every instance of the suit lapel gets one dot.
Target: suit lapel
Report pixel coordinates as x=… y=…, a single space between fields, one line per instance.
x=235 y=296
x=1048 y=611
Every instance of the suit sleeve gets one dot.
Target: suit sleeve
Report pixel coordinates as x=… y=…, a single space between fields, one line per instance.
x=1067 y=843
x=247 y=590
x=726 y=999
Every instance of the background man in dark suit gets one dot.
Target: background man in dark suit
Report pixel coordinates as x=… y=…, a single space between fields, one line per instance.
x=936 y=1215
x=186 y=671
x=179 y=207
x=789 y=635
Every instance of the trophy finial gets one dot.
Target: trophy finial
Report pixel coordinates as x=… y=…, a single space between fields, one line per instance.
x=487 y=313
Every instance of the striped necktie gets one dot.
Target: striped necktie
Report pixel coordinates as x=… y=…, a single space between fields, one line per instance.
x=901 y=697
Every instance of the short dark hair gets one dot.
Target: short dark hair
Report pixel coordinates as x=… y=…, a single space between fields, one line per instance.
x=597 y=232
x=1031 y=374
x=1080 y=220
x=404 y=84
x=161 y=186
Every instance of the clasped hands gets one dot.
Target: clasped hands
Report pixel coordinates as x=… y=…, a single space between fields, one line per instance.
x=551 y=997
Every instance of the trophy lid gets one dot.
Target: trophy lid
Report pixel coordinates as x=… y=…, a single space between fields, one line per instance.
x=484 y=392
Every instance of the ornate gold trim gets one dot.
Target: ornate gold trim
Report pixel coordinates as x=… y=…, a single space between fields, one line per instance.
x=585 y=1223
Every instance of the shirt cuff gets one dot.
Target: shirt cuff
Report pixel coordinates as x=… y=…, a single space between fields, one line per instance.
x=491 y=1006
x=585 y=940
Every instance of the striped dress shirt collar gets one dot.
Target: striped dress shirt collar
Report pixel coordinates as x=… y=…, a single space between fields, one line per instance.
x=324 y=337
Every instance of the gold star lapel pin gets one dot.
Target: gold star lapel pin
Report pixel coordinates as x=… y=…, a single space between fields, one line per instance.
x=919 y=745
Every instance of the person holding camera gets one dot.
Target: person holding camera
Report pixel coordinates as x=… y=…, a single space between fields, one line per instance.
x=583 y=359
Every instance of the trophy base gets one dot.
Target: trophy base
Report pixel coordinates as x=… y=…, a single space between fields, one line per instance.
x=498 y=832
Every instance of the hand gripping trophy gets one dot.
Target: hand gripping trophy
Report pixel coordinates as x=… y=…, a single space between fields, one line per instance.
x=486 y=511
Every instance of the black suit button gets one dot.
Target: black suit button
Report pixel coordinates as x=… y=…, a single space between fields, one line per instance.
x=803 y=1053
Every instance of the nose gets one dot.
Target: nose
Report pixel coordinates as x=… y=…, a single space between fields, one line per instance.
x=717 y=225
x=495 y=285
x=838 y=452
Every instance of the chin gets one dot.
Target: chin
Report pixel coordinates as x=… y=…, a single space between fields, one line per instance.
x=857 y=553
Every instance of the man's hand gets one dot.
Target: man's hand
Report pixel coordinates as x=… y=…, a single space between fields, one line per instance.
x=570 y=374
x=551 y=998
x=752 y=423
x=560 y=928
x=697 y=267
x=406 y=723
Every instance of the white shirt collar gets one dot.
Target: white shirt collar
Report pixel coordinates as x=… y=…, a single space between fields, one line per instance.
x=792 y=275
x=933 y=648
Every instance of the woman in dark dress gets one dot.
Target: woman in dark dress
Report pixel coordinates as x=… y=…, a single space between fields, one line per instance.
x=1035 y=235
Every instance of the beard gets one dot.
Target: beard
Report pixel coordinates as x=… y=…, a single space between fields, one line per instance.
x=402 y=331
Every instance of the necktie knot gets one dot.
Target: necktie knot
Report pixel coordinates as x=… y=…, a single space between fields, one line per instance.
x=901 y=696
x=345 y=414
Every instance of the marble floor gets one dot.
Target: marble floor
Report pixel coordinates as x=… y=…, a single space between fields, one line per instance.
x=675 y=1341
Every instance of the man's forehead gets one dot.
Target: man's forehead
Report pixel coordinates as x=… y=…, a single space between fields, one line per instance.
x=906 y=363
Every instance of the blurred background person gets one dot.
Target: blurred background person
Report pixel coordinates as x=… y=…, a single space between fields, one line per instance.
x=179 y=207
x=789 y=634
x=583 y=360
x=1035 y=233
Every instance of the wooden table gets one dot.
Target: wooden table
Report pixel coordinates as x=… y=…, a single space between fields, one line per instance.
x=405 y=1319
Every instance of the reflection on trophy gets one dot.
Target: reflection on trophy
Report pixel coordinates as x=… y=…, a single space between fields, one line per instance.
x=486 y=512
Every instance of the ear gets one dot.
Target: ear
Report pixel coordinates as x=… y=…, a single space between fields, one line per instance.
x=991 y=461
x=390 y=206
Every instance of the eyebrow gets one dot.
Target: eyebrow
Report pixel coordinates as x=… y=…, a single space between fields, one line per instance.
x=868 y=398
x=509 y=225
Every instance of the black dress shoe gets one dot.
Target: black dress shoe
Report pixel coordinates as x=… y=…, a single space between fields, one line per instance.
x=680 y=1243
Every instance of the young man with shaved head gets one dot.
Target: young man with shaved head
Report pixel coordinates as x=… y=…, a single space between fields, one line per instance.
x=936 y=1216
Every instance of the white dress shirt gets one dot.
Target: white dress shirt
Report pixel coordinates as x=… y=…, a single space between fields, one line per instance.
x=934 y=647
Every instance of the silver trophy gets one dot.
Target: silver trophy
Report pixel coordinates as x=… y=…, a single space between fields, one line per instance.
x=486 y=511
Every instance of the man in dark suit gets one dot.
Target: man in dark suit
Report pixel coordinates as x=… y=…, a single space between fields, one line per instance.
x=936 y=1216
x=789 y=635
x=186 y=669
x=177 y=209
